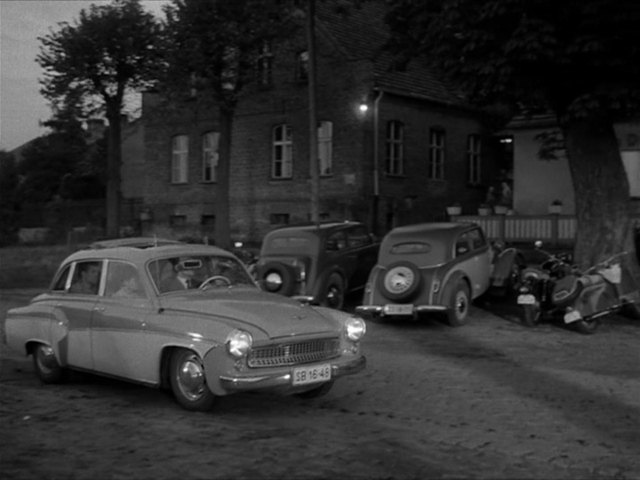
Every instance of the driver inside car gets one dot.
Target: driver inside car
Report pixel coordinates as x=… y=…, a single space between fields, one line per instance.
x=180 y=279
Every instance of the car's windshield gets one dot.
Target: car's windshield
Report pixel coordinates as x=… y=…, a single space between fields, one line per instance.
x=197 y=271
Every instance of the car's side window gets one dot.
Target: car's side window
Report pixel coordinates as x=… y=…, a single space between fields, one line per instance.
x=462 y=245
x=123 y=280
x=336 y=241
x=86 y=277
x=60 y=283
x=358 y=237
x=477 y=239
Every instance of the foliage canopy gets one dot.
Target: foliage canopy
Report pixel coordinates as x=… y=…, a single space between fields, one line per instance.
x=574 y=57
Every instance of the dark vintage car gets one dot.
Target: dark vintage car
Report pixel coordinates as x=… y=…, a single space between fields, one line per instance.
x=186 y=317
x=435 y=267
x=317 y=263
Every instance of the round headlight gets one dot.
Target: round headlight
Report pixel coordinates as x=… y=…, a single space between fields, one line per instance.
x=356 y=328
x=239 y=343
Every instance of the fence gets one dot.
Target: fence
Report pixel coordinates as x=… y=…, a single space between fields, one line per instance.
x=558 y=230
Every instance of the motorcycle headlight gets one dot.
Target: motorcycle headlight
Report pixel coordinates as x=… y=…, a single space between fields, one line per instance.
x=355 y=328
x=239 y=343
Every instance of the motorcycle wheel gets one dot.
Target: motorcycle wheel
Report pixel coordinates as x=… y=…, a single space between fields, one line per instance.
x=587 y=327
x=531 y=315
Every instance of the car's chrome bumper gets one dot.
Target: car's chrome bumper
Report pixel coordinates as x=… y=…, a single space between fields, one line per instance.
x=383 y=309
x=255 y=380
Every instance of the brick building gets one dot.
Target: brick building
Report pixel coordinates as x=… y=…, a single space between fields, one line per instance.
x=417 y=148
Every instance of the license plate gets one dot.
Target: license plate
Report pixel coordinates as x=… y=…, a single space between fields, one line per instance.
x=314 y=374
x=404 y=309
x=526 y=299
x=572 y=316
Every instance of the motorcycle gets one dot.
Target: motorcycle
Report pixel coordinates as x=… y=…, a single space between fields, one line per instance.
x=581 y=298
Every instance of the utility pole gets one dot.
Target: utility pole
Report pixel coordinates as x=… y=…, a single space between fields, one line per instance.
x=313 y=123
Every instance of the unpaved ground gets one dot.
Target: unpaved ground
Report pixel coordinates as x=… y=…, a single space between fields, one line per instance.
x=488 y=400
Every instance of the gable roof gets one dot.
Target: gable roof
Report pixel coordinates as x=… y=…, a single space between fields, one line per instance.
x=359 y=32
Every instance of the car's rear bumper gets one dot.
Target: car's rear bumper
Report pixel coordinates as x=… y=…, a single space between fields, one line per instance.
x=255 y=380
x=384 y=310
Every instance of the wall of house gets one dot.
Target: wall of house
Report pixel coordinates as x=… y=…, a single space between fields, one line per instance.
x=257 y=200
x=255 y=197
x=629 y=140
x=176 y=210
x=133 y=160
x=538 y=182
x=413 y=197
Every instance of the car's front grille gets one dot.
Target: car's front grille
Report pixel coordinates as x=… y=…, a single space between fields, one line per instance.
x=294 y=353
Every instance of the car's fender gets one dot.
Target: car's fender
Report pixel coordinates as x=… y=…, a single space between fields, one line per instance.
x=25 y=325
x=450 y=278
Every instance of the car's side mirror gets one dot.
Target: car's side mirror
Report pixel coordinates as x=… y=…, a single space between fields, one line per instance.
x=538 y=244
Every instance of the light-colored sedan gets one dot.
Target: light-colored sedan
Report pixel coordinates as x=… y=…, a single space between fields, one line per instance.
x=185 y=317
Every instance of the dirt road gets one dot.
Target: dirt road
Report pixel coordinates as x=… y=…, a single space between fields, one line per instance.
x=488 y=400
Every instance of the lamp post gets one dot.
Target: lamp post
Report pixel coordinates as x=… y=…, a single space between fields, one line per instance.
x=376 y=162
x=313 y=123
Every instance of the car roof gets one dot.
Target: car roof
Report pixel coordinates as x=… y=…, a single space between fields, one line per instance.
x=442 y=230
x=142 y=255
x=138 y=242
x=313 y=227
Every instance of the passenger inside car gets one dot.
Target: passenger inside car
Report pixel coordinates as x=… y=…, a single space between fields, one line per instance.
x=87 y=278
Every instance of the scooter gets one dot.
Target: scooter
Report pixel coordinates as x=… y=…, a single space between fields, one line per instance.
x=581 y=298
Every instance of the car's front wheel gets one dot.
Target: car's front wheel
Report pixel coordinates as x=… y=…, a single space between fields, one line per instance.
x=334 y=292
x=46 y=364
x=188 y=381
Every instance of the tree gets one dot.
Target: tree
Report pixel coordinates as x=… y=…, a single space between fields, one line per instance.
x=213 y=47
x=110 y=50
x=579 y=59
x=9 y=200
x=48 y=164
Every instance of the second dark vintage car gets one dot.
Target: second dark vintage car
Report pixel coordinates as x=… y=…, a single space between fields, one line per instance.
x=318 y=263
x=435 y=267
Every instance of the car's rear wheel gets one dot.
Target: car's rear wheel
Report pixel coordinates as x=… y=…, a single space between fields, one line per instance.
x=46 y=364
x=334 y=292
x=188 y=381
x=323 y=389
x=458 y=302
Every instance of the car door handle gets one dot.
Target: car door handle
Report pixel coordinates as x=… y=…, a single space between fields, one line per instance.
x=98 y=309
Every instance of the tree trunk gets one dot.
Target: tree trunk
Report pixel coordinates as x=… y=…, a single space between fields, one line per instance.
x=223 y=229
x=601 y=193
x=114 y=160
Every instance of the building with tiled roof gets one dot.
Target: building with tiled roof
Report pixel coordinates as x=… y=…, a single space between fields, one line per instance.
x=418 y=148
